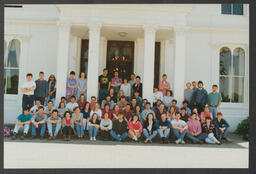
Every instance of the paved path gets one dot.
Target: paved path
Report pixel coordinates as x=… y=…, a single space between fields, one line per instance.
x=116 y=155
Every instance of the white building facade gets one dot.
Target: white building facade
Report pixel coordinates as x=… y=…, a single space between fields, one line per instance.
x=186 y=42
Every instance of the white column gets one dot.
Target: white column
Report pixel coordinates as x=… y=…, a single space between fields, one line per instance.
x=179 y=63
x=149 y=60
x=103 y=54
x=62 y=60
x=93 y=60
x=139 y=57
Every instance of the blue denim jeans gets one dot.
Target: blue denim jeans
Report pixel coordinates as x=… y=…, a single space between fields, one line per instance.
x=211 y=139
x=53 y=130
x=25 y=128
x=164 y=133
x=92 y=131
x=149 y=137
x=79 y=129
x=197 y=138
x=114 y=135
x=214 y=111
x=179 y=135
x=223 y=135
x=41 y=127
x=102 y=94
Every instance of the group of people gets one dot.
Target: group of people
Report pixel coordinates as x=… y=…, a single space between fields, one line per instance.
x=120 y=112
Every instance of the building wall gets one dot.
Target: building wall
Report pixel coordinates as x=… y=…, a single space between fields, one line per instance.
x=207 y=31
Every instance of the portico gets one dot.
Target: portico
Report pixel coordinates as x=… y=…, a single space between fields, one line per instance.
x=171 y=36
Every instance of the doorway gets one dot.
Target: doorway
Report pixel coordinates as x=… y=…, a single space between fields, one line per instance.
x=120 y=57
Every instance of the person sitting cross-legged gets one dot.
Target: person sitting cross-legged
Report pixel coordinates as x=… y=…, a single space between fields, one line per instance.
x=23 y=121
x=93 y=126
x=149 y=128
x=67 y=126
x=53 y=124
x=77 y=117
x=163 y=127
x=221 y=126
x=194 y=131
x=135 y=128
x=39 y=122
x=119 y=129
x=179 y=128
x=105 y=126
x=208 y=128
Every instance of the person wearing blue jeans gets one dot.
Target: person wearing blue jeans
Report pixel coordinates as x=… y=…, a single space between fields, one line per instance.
x=163 y=127
x=78 y=122
x=53 y=125
x=221 y=126
x=149 y=128
x=119 y=128
x=39 y=122
x=103 y=84
x=214 y=100
x=23 y=121
x=179 y=128
x=93 y=126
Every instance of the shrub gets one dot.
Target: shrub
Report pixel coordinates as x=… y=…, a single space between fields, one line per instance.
x=243 y=128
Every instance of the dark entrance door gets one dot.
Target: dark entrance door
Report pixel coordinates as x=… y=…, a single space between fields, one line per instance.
x=120 y=57
x=157 y=64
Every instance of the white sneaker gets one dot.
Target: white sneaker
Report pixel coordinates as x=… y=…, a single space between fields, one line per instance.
x=182 y=142
x=94 y=138
x=90 y=138
x=178 y=141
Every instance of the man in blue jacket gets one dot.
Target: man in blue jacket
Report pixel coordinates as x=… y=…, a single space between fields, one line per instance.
x=41 y=92
x=163 y=127
x=221 y=126
x=199 y=97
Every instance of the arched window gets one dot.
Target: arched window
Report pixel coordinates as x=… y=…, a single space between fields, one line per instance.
x=11 y=67
x=232 y=73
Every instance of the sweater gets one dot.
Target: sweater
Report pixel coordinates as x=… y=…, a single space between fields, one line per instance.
x=135 y=126
x=119 y=127
x=161 y=123
x=106 y=124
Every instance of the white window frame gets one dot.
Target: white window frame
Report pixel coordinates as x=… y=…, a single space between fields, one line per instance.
x=232 y=47
x=8 y=41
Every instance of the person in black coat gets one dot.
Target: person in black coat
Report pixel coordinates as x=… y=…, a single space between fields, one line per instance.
x=149 y=128
x=221 y=126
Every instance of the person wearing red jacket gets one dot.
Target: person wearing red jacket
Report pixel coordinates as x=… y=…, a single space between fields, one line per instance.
x=135 y=128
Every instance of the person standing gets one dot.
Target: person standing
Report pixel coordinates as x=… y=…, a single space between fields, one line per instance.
x=188 y=92
x=103 y=84
x=137 y=86
x=131 y=82
x=81 y=85
x=28 y=88
x=52 y=88
x=116 y=82
x=41 y=91
x=71 y=86
x=214 y=100
x=126 y=87
x=164 y=85
x=194 y=87
x=199 y=97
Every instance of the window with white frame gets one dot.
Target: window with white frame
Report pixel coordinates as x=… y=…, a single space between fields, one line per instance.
x=232 y=75
x=11 y=66
x=232 y=9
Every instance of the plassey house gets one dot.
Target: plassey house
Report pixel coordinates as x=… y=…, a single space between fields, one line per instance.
x=207 y=42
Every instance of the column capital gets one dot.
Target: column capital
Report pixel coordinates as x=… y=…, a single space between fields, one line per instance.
x=180 y=30
x=63 y=24
x=94 y=26
x=150 y=28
